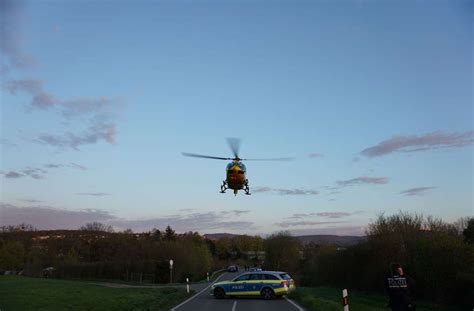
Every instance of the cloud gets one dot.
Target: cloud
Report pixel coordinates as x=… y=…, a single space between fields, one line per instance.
x=321 y=214
x=11 y=14
x=285 y=191
x=363 y=180
x=6 y=142
x=417 y=143
x=52 y=165
x=31 y=201
x=261 y=189
x=416 y=191
x=202 y=222
x=95 y=194
x=35 y=173
x=306 y=223
x=33 y=87
x=316 y=155
x=46 y=217
x=236 y=212
x=78 y=166
x=12 y=174
x=95 y=133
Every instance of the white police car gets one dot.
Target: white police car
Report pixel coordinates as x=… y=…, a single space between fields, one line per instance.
x=267 y=284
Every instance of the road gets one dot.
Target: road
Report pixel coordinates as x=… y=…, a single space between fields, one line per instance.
x=203 y=301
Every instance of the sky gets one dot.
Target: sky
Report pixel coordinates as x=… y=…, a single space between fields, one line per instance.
x=100 y=98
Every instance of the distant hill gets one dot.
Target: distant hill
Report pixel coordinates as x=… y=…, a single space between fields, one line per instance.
x=217 y=236
x=332 y=239
x=305 y=239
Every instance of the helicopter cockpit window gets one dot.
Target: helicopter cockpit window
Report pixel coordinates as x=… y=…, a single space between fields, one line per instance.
x=242 y=166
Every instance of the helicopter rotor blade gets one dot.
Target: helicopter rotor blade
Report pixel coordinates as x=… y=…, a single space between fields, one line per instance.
x=194 y=155
x=234 y=144
x=270 y=159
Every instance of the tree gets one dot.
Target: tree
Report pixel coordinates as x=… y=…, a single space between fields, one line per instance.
x=282 y=252
x=12 y=256
x=170 y=234
x=97 y=226
x=468 y=233
x=156 y=234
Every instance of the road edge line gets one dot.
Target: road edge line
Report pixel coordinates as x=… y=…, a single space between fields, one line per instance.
x=294 y=303
x=192 y=297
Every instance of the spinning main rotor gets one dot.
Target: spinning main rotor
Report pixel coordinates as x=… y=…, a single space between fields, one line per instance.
x=234 y=144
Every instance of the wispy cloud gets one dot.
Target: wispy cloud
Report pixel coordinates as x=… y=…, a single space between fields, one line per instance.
x=281 y=191
x=95 y=194
x=416 y=191
x=46 y=217
x=417 y=143
x=288 y=224
x=12 y=174
x=6 y=142
x=11 y=14
x=235 y=212
x=202 y=222
x=35 y=173
x=95 y=133
x=34 y=87
x=320 y=214
x=78 y=166
x=315 y=155
x=30 y=200
x=363 y=180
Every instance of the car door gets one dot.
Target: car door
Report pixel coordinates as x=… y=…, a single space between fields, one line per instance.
x=255 y=284
x=238 y=286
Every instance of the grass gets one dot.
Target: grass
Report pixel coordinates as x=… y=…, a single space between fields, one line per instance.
x=330 y=299
x=23 y=293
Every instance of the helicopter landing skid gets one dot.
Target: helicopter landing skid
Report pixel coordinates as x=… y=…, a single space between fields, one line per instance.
x=246 y=187
x=224 y=187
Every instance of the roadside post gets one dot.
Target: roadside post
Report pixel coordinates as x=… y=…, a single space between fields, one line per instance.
x=208 y=276
x=187 y=285
x=171 y=270
x=345 y=300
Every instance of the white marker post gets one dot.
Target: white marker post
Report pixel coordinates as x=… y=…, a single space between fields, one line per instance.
x=345 y=300
x=171 y=270
x=208 y=276
x=187 y=285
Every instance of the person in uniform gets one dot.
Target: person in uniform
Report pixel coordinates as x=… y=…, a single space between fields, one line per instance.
x=400 y=289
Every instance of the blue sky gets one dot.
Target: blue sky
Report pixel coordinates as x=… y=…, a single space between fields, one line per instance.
x=99 y=99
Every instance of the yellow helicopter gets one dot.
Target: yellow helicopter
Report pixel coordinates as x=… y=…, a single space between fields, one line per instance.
x=236 y=170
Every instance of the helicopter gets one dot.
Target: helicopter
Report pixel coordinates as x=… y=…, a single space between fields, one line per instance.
x=235 y=170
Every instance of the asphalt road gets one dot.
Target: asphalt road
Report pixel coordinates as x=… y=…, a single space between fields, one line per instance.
x=204 y=301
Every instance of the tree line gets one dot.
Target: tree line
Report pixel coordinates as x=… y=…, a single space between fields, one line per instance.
x=438 y=255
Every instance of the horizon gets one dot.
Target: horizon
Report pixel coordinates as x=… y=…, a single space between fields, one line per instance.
x=99 y=100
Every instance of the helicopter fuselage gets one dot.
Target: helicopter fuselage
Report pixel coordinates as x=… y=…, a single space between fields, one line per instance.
x=235 y=175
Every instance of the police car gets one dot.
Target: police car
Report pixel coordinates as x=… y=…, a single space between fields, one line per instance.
x=267 y=284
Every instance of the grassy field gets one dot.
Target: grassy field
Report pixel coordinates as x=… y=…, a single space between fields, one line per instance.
x=330 y=299
x=23 y=293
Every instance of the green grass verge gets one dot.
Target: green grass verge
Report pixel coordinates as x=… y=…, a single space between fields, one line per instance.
x=330 y=299
x=23 y=293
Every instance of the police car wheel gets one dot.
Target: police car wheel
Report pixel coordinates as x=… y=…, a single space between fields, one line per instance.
x=268 y=293
x=219 y=293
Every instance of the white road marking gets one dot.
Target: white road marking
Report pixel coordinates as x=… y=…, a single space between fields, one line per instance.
x=294 y=304
x=191 y=298
x=234 y=305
